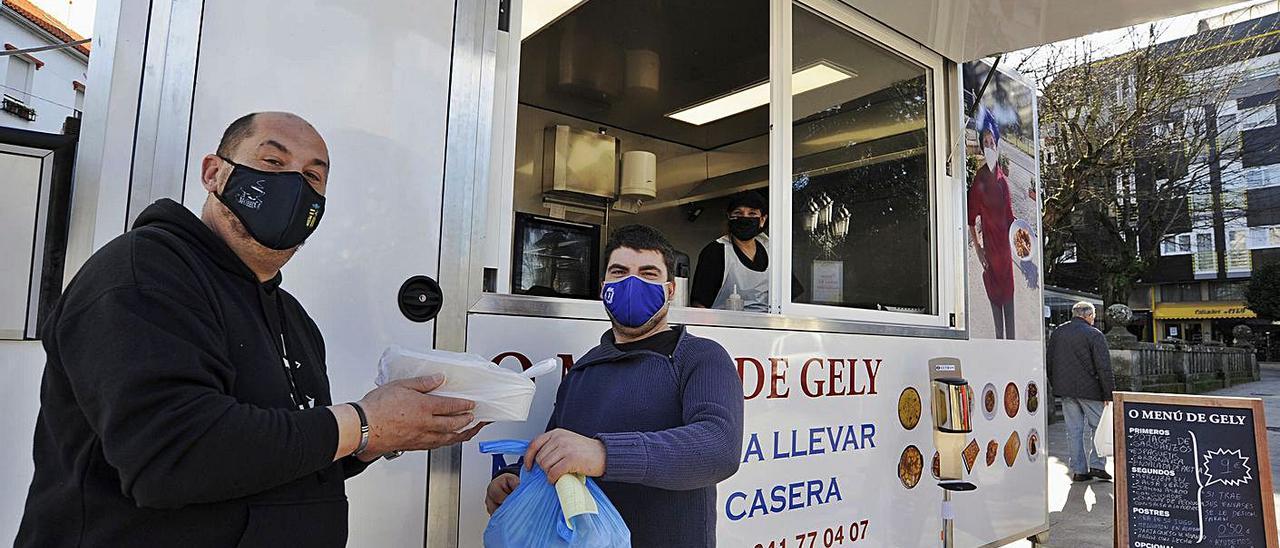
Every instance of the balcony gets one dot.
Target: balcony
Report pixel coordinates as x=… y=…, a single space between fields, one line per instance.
x=18 y=108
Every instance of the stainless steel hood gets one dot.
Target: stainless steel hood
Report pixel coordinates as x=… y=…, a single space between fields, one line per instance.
x=579 y=165
x=964 y=30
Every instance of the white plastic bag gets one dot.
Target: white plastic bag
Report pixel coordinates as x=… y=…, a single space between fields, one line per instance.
x=500 y=394
x=1102 y=437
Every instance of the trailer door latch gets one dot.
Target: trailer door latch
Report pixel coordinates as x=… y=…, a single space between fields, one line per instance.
x=420 y=299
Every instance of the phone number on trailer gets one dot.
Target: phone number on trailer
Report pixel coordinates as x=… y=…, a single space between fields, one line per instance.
x=831 y=536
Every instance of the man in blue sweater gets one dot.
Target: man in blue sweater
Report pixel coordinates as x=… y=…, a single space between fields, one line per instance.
x=653 y=412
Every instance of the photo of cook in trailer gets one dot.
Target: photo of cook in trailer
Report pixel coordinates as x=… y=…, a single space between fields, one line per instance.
x=1002 y=206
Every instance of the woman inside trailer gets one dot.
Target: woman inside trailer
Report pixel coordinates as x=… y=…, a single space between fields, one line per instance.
x=733 y=270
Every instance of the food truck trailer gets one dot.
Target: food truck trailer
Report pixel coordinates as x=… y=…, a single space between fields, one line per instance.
x=481 y=152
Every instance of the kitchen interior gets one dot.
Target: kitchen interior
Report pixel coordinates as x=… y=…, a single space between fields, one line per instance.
x=657 y=112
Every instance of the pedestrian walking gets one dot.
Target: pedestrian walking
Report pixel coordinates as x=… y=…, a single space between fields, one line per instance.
x=1080 y=373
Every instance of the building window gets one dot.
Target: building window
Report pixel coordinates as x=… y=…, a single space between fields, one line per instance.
x=17 y=80
x=1227 y=291
x=1176 y=244
x=1262 y=176
x=1264 y=237
x=79 y=103
x=1228 y=135
x=1238 y=257
x=1176 y=293
x=1205 y=257
x=1257 y=117
x=1124 y=89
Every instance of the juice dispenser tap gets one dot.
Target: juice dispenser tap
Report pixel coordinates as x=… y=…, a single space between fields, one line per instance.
x=951 y=404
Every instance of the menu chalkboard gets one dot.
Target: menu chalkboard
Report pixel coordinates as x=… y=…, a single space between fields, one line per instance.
x=1192 y=471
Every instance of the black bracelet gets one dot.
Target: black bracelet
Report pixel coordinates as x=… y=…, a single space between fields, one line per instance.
x=364 y=428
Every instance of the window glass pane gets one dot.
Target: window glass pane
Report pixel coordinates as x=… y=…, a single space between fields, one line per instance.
x=861 y=184
x=1259 y=116
x=18 y=79
x=1205 y=259
x=1238 y=257
x=1228 y=291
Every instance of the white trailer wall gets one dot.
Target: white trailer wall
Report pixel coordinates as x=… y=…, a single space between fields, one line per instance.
x=20 y=366
x=374 y=80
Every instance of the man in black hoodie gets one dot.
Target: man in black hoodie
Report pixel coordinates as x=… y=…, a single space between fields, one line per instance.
x=185 y=400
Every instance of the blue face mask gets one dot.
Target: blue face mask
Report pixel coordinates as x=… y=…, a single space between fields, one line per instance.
x=632 y=301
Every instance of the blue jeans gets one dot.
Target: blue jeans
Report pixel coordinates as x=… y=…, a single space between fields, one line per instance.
x=1082 y=419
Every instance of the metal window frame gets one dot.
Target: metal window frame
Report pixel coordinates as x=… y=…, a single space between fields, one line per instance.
x=468 y=142
x=946 y=277
x=949 y=277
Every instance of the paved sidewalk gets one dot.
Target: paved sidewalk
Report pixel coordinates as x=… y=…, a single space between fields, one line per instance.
x=1081 y=514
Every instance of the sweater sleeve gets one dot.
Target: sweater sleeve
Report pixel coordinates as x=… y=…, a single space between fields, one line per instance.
x=1102 y=364
x=702 y=452
x=146 y=372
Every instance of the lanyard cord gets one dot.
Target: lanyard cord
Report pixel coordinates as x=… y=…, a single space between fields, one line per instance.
x=294 y=394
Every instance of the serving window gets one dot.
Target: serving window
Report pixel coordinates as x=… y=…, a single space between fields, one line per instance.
x=861 y=231
x=613 y=113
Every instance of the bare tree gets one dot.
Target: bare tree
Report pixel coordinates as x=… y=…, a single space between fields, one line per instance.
x=1135 y=145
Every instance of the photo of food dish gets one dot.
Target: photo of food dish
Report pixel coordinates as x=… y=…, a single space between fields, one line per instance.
x=989 y=401
x=1021 y=240
x=1033 y=445
x=971 y=455
x=1011 y=400
x=936 y=467
x=909 y=408
x=1022 y=243
x=993 y=449
x=910 y=465
x=1011 y=449
x=1033 y=397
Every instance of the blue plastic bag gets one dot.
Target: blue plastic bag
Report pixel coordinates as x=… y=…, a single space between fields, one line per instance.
x=531 y=515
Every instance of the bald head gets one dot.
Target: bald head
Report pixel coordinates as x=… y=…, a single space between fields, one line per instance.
x=277 y=141
x=264 y=141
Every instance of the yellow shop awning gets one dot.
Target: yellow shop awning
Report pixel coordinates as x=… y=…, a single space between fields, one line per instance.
x=1202 y=311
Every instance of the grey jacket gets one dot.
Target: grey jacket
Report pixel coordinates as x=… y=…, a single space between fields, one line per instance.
x=1080 y=363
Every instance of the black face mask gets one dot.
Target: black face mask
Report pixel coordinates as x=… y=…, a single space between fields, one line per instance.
x=745 y=228
x=279 y=209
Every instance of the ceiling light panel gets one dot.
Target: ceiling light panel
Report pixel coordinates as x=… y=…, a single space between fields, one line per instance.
x=807 y=79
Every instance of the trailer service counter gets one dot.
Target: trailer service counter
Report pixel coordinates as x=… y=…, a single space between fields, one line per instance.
x=848 y=116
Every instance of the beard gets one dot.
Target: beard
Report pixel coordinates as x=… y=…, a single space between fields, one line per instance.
x=242 y=242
